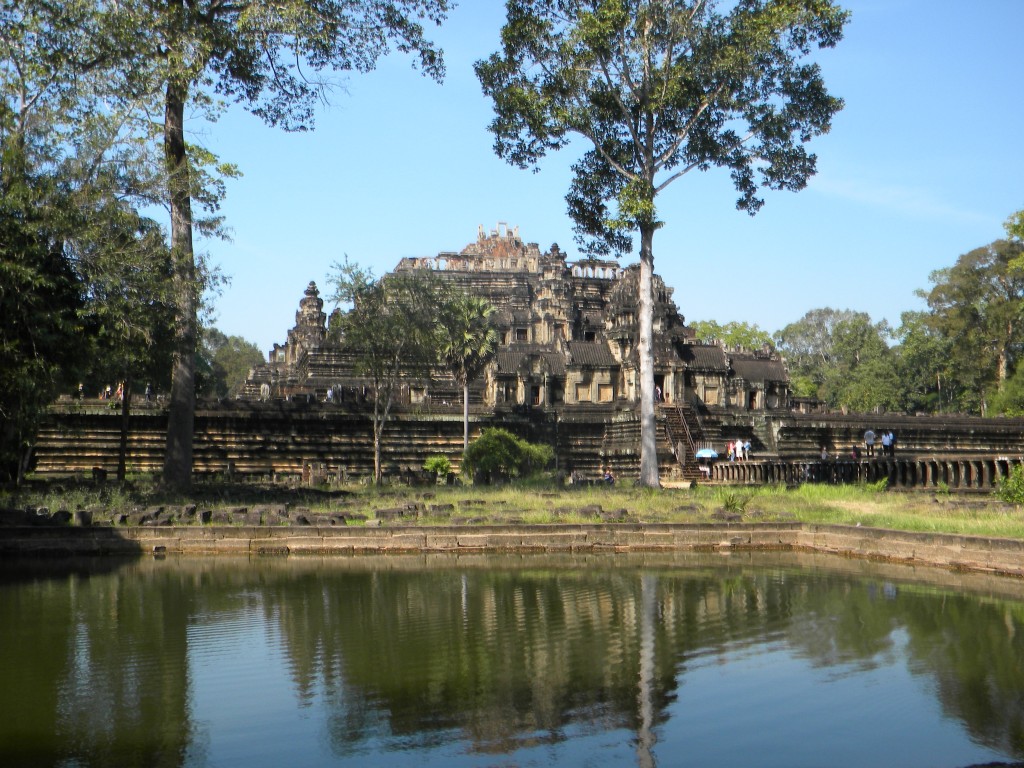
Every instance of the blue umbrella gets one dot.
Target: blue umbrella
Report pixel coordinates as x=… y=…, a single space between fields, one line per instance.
x=706 y=453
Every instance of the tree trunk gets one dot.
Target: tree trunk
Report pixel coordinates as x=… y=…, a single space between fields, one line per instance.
x=378 y=436
x=181 y=412
x=648 y=424
x=122 y=451
x=465 y=415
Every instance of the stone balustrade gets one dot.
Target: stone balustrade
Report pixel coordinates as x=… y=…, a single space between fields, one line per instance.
x=955 y=473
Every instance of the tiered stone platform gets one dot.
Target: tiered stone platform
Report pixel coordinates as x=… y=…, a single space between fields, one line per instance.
x=315 y=441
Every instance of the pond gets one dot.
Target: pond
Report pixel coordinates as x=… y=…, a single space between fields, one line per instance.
x=649 y=660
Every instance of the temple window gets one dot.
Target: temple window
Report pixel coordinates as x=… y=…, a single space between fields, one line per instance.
x=521 y=334
x=583 y=393
x=604 y=393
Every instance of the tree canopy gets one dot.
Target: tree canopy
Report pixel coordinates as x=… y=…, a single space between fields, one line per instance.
x=977 y=304
x=391 y=331
x=735 y=334
x=466 y=341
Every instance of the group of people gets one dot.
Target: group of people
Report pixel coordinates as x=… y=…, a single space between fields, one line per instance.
x=106 y=393
x=887 y=439
x=738 y=450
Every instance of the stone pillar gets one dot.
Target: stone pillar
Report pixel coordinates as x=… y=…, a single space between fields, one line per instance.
x=987 y=473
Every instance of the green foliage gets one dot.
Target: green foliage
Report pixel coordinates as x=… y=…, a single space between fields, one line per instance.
x=733 y=334
x=41 y=339
x=1011 y=487
x=657 y=89
x=498 y=453
x=879 y=486
x=224 y=363
x=843 y=358
x=924 y=365
x=390 y=330
x=977 y=305
x=1014 y=226
x=438 y=464
x=736 y=501
x=466 y=339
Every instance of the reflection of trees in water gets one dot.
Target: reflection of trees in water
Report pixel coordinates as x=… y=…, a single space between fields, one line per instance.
x=440 y=650
x=975 y=652
x=424 y=652
x=94 y=669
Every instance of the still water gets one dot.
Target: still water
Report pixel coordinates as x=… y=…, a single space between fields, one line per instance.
x=612 y=660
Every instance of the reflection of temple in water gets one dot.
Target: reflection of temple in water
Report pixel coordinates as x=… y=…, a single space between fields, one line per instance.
x=500 y=654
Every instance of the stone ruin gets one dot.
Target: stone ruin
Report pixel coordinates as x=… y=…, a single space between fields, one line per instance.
x=565 y=373
x=568 y=334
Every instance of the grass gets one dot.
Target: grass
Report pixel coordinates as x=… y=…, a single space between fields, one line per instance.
x=543 y=503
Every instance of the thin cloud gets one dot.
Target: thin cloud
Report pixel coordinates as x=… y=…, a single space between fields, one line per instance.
x=896 y=199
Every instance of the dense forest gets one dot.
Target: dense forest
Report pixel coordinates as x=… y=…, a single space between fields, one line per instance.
x=960 y=355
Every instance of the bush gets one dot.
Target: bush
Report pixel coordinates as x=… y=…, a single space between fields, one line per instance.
x=438 y=464
x=1011 y=487
x=497 y=453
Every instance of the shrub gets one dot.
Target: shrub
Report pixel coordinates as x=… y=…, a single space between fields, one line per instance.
x=1011 y=487
x=498 y=453
x=438 y=464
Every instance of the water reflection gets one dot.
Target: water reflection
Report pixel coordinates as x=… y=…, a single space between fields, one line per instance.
x=511 y=660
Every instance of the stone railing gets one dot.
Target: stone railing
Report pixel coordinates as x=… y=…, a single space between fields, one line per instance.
x=955 y=473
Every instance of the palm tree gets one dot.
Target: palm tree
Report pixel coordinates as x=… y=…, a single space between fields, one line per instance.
x=467 y=341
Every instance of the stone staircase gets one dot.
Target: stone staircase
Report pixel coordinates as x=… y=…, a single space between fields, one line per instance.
x=685 y=432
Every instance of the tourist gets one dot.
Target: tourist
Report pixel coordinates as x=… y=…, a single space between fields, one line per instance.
x=730 y=448
x=149 y=392
x=869 y=442
x=824 y=453
x=892 y=443
x=746 y=450
x=657 y=394
x=886 y=443
x=855 y=453
x=609 y=478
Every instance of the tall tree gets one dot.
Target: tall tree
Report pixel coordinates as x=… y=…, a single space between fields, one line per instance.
x=56 y=142
x=391 y=330
x=863 y=375
x=977 y=304
x=924 y=366
x=41 y=350
x=809 y=347
x=124 y=261
x=659 y=88
x=467 y=339
x=271 y=57
x=225 y=362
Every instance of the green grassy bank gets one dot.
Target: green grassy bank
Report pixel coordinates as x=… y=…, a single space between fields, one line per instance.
x=539 y=503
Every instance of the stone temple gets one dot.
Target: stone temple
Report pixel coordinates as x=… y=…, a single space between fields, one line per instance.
x=565 y=374
x=568 y=334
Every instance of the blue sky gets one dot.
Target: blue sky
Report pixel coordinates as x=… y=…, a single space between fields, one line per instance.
x=924 y=164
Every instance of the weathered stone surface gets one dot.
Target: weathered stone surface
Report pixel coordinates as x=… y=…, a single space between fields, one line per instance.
x=967 y=553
